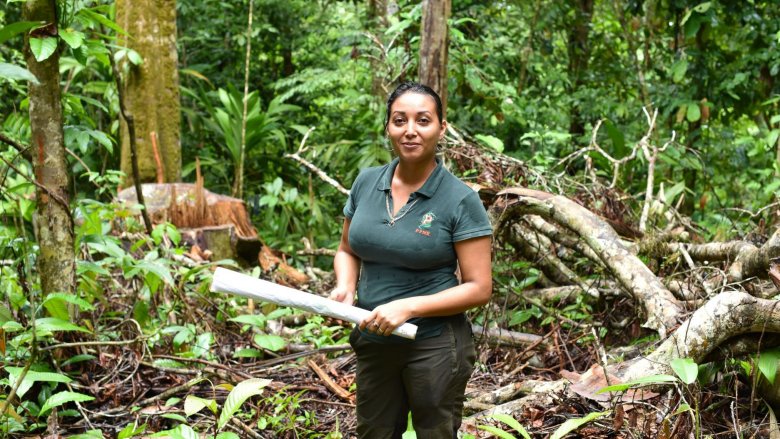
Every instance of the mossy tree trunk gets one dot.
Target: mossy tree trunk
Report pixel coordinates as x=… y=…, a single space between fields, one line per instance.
x=434 y=46
x=53 y=223
x=152 y=88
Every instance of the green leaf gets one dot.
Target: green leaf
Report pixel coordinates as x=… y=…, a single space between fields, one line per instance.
x=51 y=324
x=573 y=424
x=693 y=113
x=248 y=353
x=134 y=57
x=767 y=364
x=91 y=434
x=70 y=298
x=43 y=48
x=617 y=138
x=11 y=71
x=491 y=141
x=103 y=139
x=31 y=377
x=193 y=404
x=14 y=29
x=131 y=430
x=238 y=395
x=174 y=416
x=679 y=68
x=685 y=368
x=652 y=379
x=512 y=422
x=96 y=18
x=73 y=38
x=250 y=319
x=61 y=398
x=683 y=408
x=496 y=431
x=270 y=342
x=227 y=435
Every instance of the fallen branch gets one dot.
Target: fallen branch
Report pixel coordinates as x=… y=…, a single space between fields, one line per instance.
x=329 y=383
x=504 y=337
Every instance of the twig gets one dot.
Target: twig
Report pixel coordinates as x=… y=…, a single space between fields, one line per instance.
x=295 y=356
x=651 y=159
x=10 y=397
x=56 y=197
x=72 y=154
x=243 y=427
x=95 y=343
x=23 y=150
x=328 y=381
x=320 y=173
x=207 y=363
x=170 y=392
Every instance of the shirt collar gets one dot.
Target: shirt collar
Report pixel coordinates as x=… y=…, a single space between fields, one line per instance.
x=428 y=188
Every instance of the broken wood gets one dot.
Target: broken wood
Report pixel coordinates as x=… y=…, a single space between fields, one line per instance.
x=329 y=383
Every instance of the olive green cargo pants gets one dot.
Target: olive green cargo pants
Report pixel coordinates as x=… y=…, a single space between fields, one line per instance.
x=427 y=377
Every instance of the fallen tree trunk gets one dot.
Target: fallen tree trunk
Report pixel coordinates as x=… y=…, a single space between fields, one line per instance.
x=661 y=307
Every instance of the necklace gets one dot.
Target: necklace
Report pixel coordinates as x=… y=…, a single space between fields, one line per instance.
x=401 y=213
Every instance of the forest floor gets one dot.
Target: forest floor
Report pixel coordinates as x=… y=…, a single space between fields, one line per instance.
x=312 y=391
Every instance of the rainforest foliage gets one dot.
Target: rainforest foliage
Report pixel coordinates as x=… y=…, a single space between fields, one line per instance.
x=540 y=81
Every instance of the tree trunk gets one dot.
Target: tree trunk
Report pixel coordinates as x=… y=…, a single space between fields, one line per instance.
x=152 y=89
x=53 y=223
x=433 y=47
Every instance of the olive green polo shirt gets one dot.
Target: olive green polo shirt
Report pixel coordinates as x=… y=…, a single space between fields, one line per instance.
x=415 y=254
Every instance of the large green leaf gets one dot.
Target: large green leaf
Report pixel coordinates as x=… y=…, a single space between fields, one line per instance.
x=238 y=395
x=270 y=342
x=495 y=431
x=193 y=404
x=686 y=369
x=43 y=48
x=767 y=364
x=513 y=423
x=250 y=319
x=52 y=324
x=11 y=71
x=31 y=377
x=14 y=29
x=61 y=398
x=573 y=424
x=73 y=38
x=70 y=298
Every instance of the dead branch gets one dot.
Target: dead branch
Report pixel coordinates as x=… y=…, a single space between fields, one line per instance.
x=660 y=305
x=313 y=168
x=329 y=383
x=504 y=336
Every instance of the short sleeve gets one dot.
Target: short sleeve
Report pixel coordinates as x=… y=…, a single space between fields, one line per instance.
x=471 y=220
x=349 y=208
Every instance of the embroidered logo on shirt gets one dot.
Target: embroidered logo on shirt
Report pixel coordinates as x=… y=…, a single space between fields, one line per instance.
x=425 y=224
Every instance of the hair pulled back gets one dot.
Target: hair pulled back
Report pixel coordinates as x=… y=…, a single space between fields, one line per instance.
x=413 y=87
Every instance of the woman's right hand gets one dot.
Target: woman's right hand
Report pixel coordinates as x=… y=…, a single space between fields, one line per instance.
x=343 y=295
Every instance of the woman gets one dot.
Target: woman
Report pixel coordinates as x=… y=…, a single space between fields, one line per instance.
x=409 y=225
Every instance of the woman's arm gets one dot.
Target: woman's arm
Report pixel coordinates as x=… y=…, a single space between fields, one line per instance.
x=347 y=268
x=475 y=289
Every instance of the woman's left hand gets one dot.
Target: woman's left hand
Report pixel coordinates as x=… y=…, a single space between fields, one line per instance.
x=385 y=318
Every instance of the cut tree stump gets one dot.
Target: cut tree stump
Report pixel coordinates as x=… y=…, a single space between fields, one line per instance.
x=217 y=224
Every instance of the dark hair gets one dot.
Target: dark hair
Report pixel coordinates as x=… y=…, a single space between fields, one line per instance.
x=413 y=87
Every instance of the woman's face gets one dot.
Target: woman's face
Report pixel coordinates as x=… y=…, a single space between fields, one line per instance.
x=414 y=128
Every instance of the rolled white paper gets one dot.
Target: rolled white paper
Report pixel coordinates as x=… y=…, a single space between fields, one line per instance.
x=229 y=281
